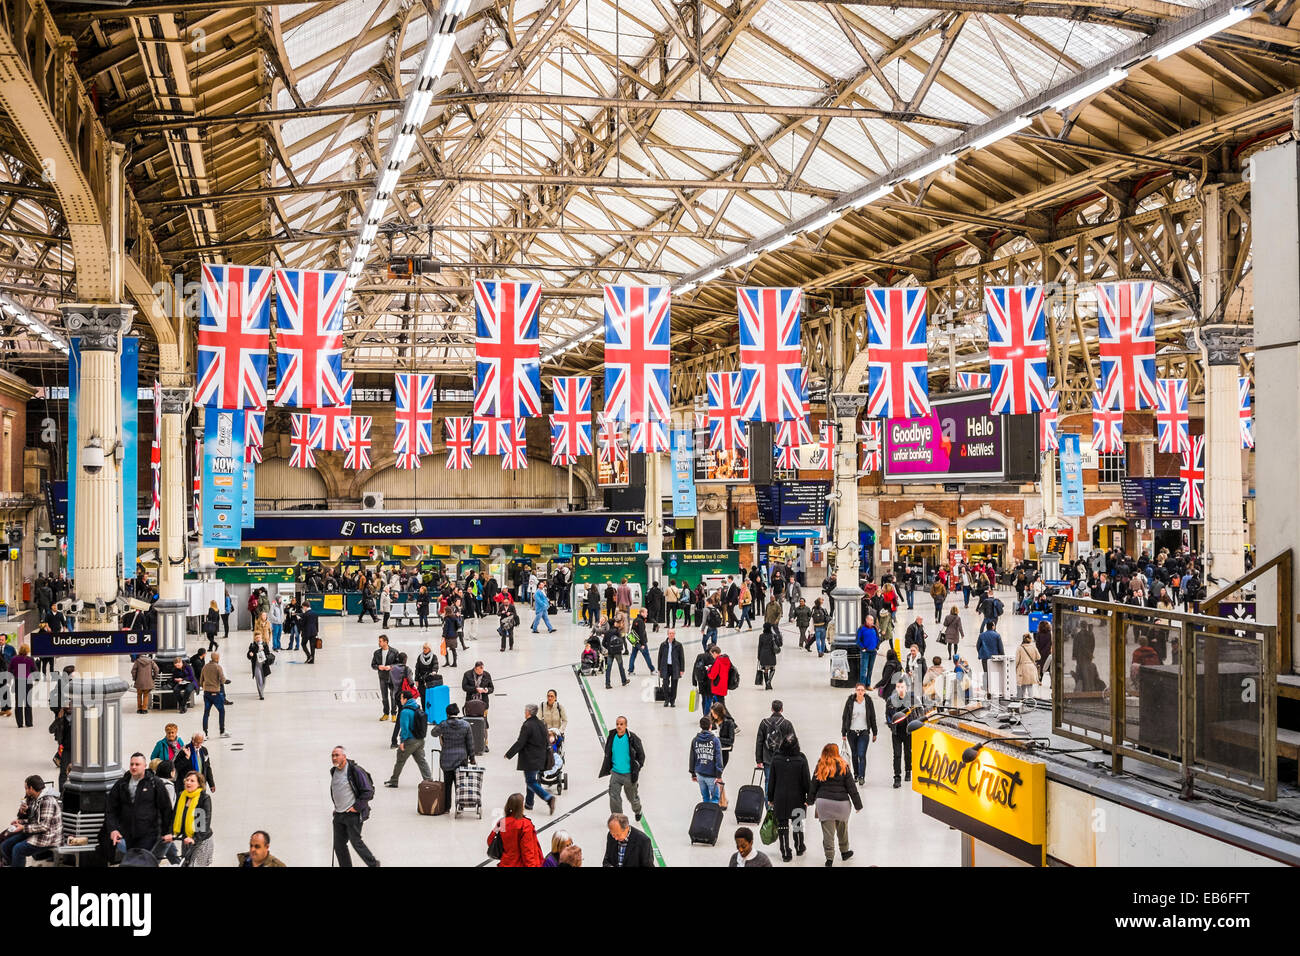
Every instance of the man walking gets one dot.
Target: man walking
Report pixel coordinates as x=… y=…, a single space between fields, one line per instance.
x=897 y=707
x=626 y=846
x=541 y=605
x=705 y=761
x=412 y=728
x=138 y=808
x=310 y=627
x=212 y=681
x=672 y=664
x=381 y=662
x=531 y=748
x=624 y=757
x=477 y=685
x=351 y=790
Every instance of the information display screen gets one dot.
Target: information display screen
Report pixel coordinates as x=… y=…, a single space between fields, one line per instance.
x=796 y=503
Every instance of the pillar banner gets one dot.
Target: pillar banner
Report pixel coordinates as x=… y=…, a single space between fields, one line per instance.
x=684 y=504
x=1071 y=474
x=74 y=390
x=248 y=509
x=130 y=446
x=223 y=466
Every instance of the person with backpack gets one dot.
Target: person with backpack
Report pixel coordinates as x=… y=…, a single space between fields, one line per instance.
x=351 y=790
x=700 y=677
x=769 y=645
x=639 y=639
x=712 y=621
x=705 y=761
x=412 y=729
x=820 y=620
x=772 y=730
x=614 y=644
x=723 y=675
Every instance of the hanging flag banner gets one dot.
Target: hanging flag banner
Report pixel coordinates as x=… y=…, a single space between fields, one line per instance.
x=1071 y=474
x=684 y=505
x=223 y=465
x=248 y=507
x=130 y=445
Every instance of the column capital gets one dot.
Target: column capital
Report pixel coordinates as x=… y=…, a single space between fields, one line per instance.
x=175 y=401
x=99 y=325
x=1224 y=342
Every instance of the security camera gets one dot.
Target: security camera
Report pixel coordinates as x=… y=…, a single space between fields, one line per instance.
x=92 y=456
x=99 y=606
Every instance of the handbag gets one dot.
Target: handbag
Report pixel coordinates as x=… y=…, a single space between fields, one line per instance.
x=496 y=849
x=758 y=678
x=767 y=832
x=318 y=643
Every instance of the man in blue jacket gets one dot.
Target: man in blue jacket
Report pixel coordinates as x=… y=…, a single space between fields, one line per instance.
x=541 y=604
x=410 y=743
x=988 y=644
x=705 y=761
x=868 y=641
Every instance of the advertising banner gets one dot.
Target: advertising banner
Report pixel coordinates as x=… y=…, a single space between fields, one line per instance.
x=130 y=444
x=958 y=441
x=223 y=466
x=726 y=467
x=684 y=504
x=1071 y=475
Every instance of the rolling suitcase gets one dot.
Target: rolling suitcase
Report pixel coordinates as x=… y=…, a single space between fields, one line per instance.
x=436 y=700
x=431 y=798
x=479 y=727
x=469 y=789
x=706 y=821
x=750 y=800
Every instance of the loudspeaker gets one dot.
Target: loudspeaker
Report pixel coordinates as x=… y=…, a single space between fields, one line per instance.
x=760 y=452
x=1020 y=438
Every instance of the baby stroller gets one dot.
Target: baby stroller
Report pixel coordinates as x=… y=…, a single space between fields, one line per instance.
x=591 y=663
x=556 y=778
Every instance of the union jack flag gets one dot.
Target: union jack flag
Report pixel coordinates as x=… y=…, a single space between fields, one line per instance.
x=335 y=421
x=1127 y=344
x=772 y=380
x=507 y=349
x=1107 y=427
x=197 y=486
x=970 y=381
x=1049 y=438
x=869 y=437
x=254 y=425
x=637 y=328
x=1191 y=501
x=1244 y=412
x=571 y=420
x=1017 y=349
x=460 y=438
x=1172 y=421
x=826 y=446
x=649 y=437
x=309 y=338
x=358 y=433
x=609 y=445
x=234 y=336
x=491 y=435
x=414 y=435
x=305 y=438
x=558 y=457
x=515 y=454
x=155 y=461
x=898 y=378
x=787 y=456
x=726 y=416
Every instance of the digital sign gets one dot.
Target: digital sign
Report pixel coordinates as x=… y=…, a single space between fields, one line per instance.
x=721 y=466
x=958 y=441
x=795 y=503
x=1151 y=498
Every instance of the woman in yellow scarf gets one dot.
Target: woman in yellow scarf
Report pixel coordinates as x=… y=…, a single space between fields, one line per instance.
x=192 y=822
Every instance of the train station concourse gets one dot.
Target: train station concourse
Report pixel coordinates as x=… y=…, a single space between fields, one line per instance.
x=663 y=434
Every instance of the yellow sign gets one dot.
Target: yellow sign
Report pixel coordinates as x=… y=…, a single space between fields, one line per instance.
x=263 y=551
x=582 y=561
x=361 y=551
x=532 y=549
x=401 y=550
x=480 y=549
x=318 y=551
x=332 y=602
x=998 y=798
x=442 y=550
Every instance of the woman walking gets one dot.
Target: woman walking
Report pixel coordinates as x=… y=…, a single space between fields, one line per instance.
x=1026 y=667
x=939 y=592
x=831 y=792
x=858 y=727
x=144 y=675
x=787 y=792
x=192 y=822
x=259 y=654
x=21 y=668
x=519 y=846
x=725 y=728
x=210 y=624
x=952 y=632
x=769 y=645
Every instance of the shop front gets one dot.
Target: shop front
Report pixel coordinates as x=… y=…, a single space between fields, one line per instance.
x=917 y=541
x=1111 y=533
x=985 y=539
x=996 y=799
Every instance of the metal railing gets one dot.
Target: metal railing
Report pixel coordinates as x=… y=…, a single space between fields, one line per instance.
x=1188 y=692
x=1283 y=579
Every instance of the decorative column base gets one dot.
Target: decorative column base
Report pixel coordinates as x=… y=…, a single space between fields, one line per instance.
x=170 y=622
x=96 y=742
x=848 y=613
x=654 y=568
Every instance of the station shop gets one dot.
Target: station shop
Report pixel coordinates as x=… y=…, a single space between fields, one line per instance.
x=985 y=539
x=918 y=541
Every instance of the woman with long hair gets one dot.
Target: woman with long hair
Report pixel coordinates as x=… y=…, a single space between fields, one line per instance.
x=210 y=624
x=519 y=846
x=831 y=791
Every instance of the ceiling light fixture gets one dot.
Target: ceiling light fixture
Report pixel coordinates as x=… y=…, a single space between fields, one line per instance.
x=942 y=162
x=1203 y=32
x=1002 y=132
x=1106 y=80
x=821 y=222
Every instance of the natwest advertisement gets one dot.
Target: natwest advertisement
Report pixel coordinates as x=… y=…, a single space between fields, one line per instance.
x=958 y=441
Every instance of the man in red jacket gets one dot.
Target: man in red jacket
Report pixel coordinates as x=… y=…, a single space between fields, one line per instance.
x=719 y=676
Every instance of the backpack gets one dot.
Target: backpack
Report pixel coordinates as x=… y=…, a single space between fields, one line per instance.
x=775 y=735
x=997 y=606
x=419 y=724
x=700 y=672
x=733 y=675
x=715 y=617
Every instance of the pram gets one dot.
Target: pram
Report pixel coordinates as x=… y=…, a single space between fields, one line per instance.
x=555 y=778
x=592 y=661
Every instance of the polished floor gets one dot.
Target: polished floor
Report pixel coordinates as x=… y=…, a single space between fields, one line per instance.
x=272 y=771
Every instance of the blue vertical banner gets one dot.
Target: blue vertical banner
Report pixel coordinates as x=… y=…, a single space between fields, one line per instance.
x=250 y=495
x=1071 y=474
x=74 y=392
x=683 y=458
x=130 y=451
x=223 y=469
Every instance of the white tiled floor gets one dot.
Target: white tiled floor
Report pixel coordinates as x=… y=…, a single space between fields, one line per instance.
x=272 y=772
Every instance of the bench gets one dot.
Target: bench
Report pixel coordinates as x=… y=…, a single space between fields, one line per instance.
x=85 y=825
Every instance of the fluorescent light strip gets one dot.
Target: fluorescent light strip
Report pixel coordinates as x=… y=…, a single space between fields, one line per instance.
x=1002 y=132
x=879 y=193
x=779 y=241
x=947 y=159
x=1089 y=89
x=1204 y=32
x=822 y=223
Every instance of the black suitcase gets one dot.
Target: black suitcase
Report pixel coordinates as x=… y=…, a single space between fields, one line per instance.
x=750 y=800
x=659 y=692
x=479 y=727
x=433 y=680
x=706 y=821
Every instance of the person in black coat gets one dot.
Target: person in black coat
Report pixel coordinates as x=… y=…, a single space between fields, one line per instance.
x=898 y=707
x=381 y=662
x=672 y=664
x=310 y=627
x=626 y=846
x=856 y=738
x=769 y=645
x=788 y=787
x=531 y=749
x=654 y=605
x=137 y=821
x=195 y=757
x=623 y=778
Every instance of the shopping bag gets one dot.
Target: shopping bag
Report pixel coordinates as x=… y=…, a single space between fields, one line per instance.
x=758 y=678
x=767 y=832
x=693 y=701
